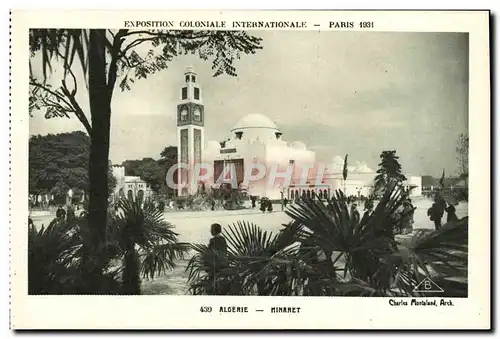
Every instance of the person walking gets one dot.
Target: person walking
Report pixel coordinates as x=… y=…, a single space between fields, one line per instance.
x=368 y=210
x=253 y=199
x=436 y=211
x=451 y=213
x=355 y=213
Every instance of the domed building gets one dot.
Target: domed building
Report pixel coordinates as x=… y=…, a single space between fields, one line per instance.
x=254 y=155
x=257 y=142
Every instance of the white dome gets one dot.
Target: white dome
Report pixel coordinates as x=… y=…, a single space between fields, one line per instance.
x=256 y=128
x=255 y=121
x=298 y=145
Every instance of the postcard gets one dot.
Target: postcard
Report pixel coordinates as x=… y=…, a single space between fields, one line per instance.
x=250 y=169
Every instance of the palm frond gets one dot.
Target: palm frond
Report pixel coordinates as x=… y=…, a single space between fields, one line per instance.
x=156 y=260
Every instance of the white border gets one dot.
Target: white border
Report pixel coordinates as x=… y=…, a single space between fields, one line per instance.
x=182 y=312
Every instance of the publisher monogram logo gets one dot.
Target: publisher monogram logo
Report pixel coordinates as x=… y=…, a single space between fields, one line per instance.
x=428 y=286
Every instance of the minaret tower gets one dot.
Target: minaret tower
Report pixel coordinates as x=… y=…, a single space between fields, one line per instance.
x=190 y=130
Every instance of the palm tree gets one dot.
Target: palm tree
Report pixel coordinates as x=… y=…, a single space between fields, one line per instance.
x=323 y=252
x=147 y=244
x=256 y=260
x=389 y=171
x=55 y=264
x=107 y=60
x=140 y=243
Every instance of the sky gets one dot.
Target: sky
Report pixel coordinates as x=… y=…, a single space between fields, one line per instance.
x=355 y=93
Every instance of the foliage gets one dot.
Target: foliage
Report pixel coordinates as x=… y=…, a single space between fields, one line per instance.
x=255 y=257
x=55 y=263
x=389 y=171
x=125 y=62
x=322 y=252
x=138 y=239
x=58 y=162
x=147 y=243
x=105 y=57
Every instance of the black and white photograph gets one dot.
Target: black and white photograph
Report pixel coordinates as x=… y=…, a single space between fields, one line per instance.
x=384 y=113
x=250 y=158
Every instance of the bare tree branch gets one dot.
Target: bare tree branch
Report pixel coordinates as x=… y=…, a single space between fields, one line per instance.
x=111 y=33
x=115 y=56
x=136 y=43
x=68 y=99
x=45 y=88
x=77 y=109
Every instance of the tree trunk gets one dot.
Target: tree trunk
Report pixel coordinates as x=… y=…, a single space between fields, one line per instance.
x=131 y=280
x=100 y=109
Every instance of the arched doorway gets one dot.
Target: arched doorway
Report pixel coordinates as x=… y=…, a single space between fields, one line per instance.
x=325 y=194
x=292 y=195
x=121 y=193
x=320 y=194
x=308 y=193
x=140 y=195
x=130 y=194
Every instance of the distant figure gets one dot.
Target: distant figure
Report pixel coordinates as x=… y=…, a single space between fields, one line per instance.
x=354 y=213
x=451 y=214
x=30 y=222
x=285 y=202
x=212 y=207
x=269 y=206
x=70 y=214
x=436 y=211
x=253 y=199
x=263 y=205
x=407 y=218
x=60 y=213
x=368 y=210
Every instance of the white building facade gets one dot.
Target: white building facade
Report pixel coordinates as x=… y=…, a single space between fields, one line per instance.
x=256 y=139
x=129 y=186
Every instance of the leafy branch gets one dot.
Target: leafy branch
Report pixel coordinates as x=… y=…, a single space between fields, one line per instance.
x=58 y=102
